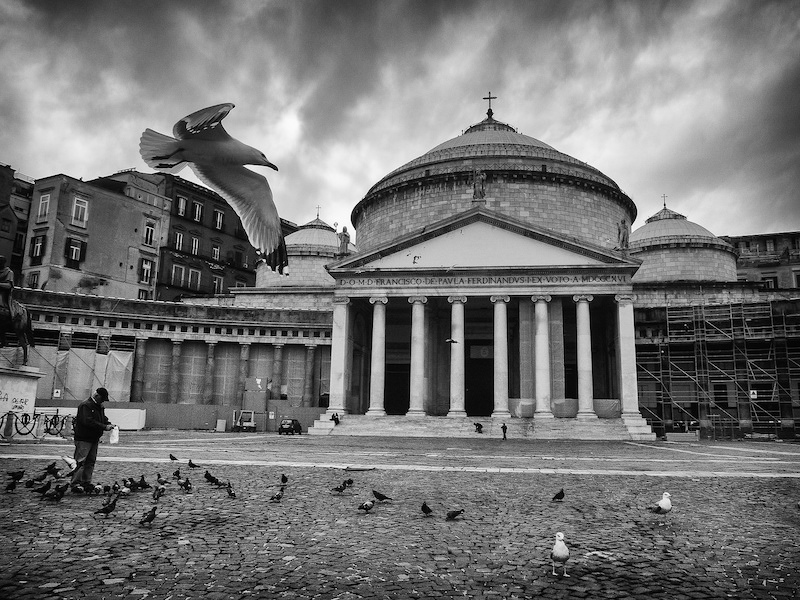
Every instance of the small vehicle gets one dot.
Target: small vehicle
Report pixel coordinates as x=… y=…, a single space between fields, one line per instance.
x=288 y=426
x=246 y=421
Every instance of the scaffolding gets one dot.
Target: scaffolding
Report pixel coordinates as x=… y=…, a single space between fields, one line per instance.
x=725 y=370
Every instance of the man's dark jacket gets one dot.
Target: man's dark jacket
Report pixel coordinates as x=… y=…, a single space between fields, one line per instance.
x=90 y=422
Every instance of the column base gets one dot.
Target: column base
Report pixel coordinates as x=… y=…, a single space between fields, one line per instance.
x=457 y=413
x=501 y=414
x=543 y=414
x=586 y=415
x=375 y=412
x=415 y=412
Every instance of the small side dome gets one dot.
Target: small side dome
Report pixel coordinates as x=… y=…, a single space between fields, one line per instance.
x=309 y=249
x=672 y=248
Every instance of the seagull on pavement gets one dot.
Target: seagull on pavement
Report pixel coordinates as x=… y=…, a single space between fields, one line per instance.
x=663 y=506
x=218 y=161
x=559 y=554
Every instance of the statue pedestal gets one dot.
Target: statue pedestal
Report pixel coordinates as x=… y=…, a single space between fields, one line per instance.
x=17 y=396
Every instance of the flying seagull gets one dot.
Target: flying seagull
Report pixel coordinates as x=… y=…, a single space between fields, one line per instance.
x=218 y=161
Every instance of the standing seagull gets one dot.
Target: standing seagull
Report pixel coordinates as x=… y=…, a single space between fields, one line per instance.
x=663 y=506
x=218 y=161
x=559 y=554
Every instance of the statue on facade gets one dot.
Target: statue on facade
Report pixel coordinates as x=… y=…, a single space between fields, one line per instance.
x=13 y=315
x=622 y=235
x=478 y=185
x=344 y=241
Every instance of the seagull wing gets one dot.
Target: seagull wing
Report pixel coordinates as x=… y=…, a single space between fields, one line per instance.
x=250 y=196
x=203 y=124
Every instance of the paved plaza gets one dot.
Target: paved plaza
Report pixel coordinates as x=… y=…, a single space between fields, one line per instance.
x=733 y=532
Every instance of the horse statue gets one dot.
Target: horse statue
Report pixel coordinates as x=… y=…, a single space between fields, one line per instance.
x=17 y=320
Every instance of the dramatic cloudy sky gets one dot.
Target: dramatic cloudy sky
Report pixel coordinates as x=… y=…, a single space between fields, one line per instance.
x=696 y=100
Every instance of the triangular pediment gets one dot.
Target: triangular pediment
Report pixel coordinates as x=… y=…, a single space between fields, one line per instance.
x=482 y=239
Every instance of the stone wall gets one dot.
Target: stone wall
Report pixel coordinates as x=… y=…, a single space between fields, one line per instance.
x=685 y=263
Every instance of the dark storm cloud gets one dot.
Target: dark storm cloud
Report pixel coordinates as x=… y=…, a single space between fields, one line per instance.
x=692 y=99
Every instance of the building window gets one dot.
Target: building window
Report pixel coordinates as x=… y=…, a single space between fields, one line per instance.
x=181 y=206
x=797 y=279
x=33 y=279
x=5 y=226
x=215 y=253
x=178 y=240
x=240 y=283
x=144 y=294
x=149 y=233
x=80 y=212
x=194 y=279
x=195 y=245
x=197 y=211
x=74 y=252
x=770 y=245
x=218 y=284
x=770 y=281
x=19 y=242
x=146 y=271
x=178 y=273
x=219 y=218
x=44 y=207
x=38 y=243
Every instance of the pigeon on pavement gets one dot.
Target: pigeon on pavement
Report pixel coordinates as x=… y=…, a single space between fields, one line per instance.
x=107 y=509
x=427 y=510
x=366 y=506
x=148 y=516
x=559 y=496
x=284 y=479
x=559 y=554
x=380 y=497
x=16 y=475
x=452 y=514
x=218 y=161
x=192 y=465
x=173 y=457
x=277 y=496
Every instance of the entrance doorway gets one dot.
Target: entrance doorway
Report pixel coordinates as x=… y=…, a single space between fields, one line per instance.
x=479 y=378
x=398 y=389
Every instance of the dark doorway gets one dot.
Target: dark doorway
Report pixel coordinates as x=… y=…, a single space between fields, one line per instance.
x=398 y=389
x=479 y=378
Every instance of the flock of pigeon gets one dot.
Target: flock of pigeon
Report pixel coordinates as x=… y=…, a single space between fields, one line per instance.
x=52 y=484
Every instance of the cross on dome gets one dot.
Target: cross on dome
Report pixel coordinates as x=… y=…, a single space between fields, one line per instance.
x=489 y=112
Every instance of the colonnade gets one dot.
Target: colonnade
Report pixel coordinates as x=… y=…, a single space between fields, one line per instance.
x=208 y=385
x=625 y=345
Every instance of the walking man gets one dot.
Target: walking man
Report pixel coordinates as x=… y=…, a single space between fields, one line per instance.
x=90 y=423
x=504 y=428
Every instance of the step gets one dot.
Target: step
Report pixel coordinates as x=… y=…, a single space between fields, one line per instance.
x=463 y=427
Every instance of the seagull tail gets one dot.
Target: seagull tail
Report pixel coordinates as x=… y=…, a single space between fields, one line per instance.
x=277 y=260
x=159 y=150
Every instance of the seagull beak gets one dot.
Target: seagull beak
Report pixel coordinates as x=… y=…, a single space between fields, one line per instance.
x=270 y=165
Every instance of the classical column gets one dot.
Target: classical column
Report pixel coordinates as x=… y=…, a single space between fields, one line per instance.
x=175 y=372
x=339 y=355
x=244 y=359
x=456 y=342
x=542 y=357
x=308 y=375
x=208 y=381
x=277 y=371
x=137 y=387
x=584 y=350
x=626 y=355
x=377 y=381
x=417 y=396
x=500 y=357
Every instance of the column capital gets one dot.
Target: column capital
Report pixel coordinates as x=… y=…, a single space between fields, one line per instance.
x=457 y=299
x=417 y=300
x=176 y=342
x=496 y=299
x=274 y=345
x=377 y=299
x=583 y=298
x=542 y=298
x=341 y=300
x=311 y=346
x=625 y=298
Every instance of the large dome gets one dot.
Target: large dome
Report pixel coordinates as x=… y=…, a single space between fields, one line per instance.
x=667 y=224
x=518 y=175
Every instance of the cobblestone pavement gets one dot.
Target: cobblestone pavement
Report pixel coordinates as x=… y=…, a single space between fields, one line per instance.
x=733 y=532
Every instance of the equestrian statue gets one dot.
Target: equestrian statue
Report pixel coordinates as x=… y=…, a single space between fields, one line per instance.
x=14 y=316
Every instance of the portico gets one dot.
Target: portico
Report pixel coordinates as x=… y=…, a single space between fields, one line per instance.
x=483 y=316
